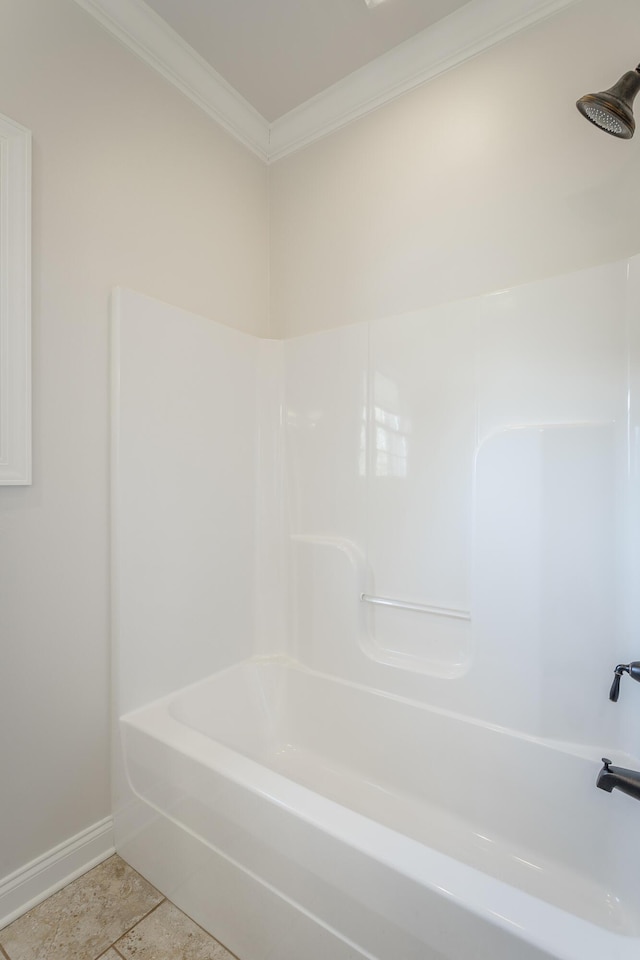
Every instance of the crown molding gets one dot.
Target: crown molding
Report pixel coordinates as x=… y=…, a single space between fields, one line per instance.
x=462 y=35
x=477 y=26
x=140 y=28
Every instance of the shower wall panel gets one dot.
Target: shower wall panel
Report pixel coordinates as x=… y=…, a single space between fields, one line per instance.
x=476 y=464
x=184 y=496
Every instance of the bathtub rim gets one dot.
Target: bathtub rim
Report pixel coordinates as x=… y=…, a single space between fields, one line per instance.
x=589 y=752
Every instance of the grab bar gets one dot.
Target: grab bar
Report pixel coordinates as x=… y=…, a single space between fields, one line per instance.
x=419 y=607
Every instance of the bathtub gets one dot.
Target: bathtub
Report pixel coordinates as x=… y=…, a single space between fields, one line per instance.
x=296 y=815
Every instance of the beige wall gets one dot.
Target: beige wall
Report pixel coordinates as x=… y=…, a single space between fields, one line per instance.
x=132 y=185
x=484 y=178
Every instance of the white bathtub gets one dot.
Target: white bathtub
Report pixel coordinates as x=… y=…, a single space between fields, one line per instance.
x=301 y=816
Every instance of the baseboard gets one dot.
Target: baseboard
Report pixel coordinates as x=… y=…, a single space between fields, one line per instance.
x=37 y=880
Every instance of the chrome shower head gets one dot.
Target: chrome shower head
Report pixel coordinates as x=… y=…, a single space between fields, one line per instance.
x=612 y=110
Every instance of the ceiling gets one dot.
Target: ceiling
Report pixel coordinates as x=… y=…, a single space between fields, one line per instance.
x=280 y=74
x=279 y=53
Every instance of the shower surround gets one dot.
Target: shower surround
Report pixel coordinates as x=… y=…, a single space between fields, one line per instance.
x=412 y=774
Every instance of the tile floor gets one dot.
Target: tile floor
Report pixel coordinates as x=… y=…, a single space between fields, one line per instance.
x=110 y=913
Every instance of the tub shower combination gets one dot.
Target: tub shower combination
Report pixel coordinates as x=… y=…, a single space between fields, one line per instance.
x=369 y=588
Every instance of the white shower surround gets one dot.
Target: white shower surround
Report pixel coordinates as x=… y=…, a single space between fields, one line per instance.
x=481 y=455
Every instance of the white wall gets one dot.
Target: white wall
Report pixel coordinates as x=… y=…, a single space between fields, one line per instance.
x=132 y=185
x=485 y=178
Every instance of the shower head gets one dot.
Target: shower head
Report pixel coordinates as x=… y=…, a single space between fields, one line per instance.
x=612 y=110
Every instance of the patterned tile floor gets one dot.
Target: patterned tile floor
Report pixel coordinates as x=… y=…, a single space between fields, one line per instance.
x=110 y=913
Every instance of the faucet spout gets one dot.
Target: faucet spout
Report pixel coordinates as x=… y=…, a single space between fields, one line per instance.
x=619 y=778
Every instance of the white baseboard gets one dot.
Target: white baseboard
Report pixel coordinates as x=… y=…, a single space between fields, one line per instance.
x=36 y=881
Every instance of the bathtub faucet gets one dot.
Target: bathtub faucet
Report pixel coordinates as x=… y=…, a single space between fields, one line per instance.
x=633 y=669
x=618 y=778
